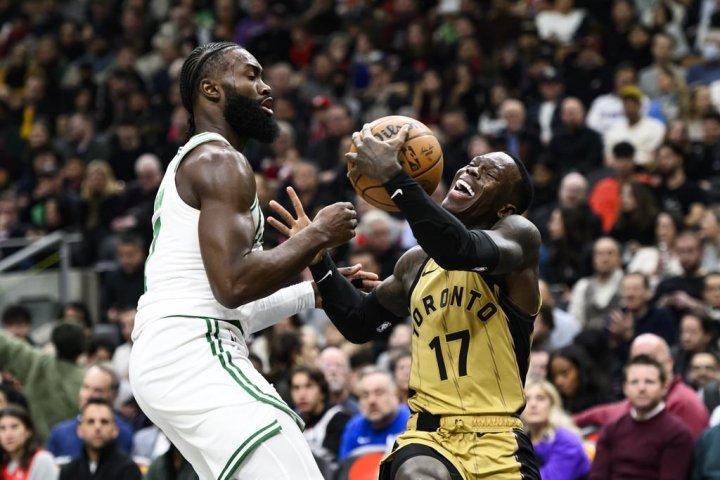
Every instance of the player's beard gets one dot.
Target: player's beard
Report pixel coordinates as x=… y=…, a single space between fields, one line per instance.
x=248 y=119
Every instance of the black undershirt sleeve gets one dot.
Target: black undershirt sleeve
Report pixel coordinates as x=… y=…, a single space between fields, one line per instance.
x=443 y=237
x=359 y=317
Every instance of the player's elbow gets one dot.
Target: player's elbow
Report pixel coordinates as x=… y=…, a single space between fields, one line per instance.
x=231 y=295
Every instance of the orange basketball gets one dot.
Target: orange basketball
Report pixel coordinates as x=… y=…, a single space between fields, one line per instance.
x=420 y=156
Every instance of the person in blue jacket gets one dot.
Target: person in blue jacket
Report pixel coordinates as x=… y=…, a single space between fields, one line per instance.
x=556 y=440
x=382 y=417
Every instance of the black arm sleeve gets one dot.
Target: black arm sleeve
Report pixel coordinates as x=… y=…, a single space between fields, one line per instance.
x=357 y=316
x=443 y=237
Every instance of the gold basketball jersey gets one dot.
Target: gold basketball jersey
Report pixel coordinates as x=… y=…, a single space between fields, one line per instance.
x=470 y=345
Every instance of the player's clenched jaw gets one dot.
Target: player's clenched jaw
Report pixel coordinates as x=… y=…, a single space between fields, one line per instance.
x=248 y=117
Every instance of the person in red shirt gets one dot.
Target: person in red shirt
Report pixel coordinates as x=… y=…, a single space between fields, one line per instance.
x=648 y=442
x=680 y=399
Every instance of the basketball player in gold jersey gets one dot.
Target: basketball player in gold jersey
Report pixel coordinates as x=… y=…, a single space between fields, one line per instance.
x=471 y=291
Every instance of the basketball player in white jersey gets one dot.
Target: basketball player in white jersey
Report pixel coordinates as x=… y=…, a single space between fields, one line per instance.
x=209 y=284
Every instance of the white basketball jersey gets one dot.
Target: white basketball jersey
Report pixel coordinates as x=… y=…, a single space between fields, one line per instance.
x=176 y=283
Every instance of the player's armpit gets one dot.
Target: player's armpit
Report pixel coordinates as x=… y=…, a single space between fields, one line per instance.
x=359 y=317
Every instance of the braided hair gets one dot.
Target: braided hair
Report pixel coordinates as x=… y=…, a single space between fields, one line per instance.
x=202 y=60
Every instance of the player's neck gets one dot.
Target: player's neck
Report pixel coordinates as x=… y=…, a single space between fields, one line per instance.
x=205 y=123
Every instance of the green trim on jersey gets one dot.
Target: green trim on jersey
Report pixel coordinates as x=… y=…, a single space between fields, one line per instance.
x=234 y=323
x=225 y=358
x=246 y=449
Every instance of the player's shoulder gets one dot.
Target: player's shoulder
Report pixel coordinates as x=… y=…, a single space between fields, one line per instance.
x=214 y=154
x=409 y=263
x=520 y=229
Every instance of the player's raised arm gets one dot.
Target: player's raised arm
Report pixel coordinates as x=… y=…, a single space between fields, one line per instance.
x=225 y=194
x=475 y=227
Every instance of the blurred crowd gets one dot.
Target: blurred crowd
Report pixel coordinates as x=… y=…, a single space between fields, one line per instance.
x=613 y=105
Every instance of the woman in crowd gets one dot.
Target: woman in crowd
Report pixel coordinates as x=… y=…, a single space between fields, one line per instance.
x=22 y=457
x=577 y=379
x=555 y=438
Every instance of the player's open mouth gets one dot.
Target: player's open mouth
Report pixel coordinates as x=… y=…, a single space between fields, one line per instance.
x=267 y=105
x=463 y=187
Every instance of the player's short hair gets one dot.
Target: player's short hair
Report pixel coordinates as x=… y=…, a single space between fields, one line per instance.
x=204 y=59
x=524 y=189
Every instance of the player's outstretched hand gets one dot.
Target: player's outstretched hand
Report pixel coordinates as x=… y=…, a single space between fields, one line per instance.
x=374 y=158
x=292 y=224
x=336 y=221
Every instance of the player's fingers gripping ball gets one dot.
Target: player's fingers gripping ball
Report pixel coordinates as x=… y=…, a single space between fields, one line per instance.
x=420 y=156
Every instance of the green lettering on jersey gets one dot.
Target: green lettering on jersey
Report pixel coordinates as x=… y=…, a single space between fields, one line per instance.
x=156 y=230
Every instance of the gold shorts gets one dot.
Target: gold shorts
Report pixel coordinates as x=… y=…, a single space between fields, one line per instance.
x=479 y=447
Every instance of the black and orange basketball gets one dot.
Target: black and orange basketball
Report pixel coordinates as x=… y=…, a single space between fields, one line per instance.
x=420 y=156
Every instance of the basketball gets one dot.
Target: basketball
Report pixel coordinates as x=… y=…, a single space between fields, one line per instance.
x=420 y=156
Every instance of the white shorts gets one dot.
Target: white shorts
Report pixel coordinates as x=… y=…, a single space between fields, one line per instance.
x=192 y=378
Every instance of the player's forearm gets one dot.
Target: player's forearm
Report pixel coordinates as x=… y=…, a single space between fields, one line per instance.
x=260 y=273
x=443 y=237
x=284 y=303
x=359 y=317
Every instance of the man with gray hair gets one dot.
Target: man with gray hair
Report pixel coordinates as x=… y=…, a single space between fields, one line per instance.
x=335 y=366
x=382 y=418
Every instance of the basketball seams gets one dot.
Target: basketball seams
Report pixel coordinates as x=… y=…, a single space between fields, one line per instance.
x=429 y=164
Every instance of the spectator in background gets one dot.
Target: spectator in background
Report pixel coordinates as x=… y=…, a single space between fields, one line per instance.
x=710 y=236
x=605 y=198
x=565 y=325
x=595 y=296
x=637 y=316
x=704 y=374
x=324 y=422
x=658 y=260
x=635 y=223
x=22 y=457
x=648 y=442
x=680 y=399
x=137 y=200
x=99 y=456
x=567 y=251
x=379 y=234
x=515 y=138
x=573 y=192
x=574 y=146
x=580 y=383
x=171 y=466
x=706 y=465
x=17 y=321
x=335 y=365
x=678 y=292
x=608 y=108
x=51 y=382
x=100 y=204
x=663 y=47
x=555 y=437
x=123 y=287
x=64 y=441
x=400 y=366
x=676 y=193
x=644 y=133
x=544 y=116
x=382 y=417
x=697 y=335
